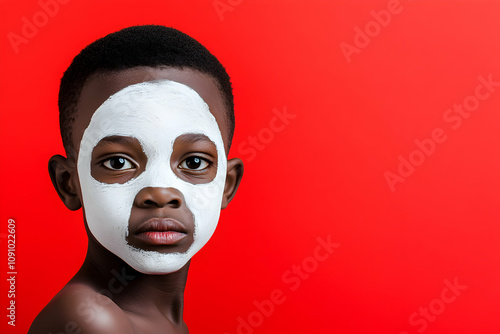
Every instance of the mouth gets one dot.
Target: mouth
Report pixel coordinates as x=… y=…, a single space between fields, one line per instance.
x=161 y=231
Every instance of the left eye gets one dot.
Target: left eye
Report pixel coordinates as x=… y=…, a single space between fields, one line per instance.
x=194 y=163
x=118 y=163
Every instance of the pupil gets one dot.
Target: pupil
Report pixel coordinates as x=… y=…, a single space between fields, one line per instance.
x=193 y=163
x=117 y=163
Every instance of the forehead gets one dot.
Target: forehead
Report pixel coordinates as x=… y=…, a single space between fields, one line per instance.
x=100 y=87
x=155 y=113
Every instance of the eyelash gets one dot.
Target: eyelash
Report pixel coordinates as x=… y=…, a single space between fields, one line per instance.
x=107 y=162
x=202 y=160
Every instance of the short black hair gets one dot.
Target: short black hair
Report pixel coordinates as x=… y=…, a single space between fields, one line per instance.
x=145 y=45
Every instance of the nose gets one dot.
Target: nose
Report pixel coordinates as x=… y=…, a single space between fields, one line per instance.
x=157 y=197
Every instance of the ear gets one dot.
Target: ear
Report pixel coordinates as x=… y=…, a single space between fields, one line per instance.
x=233 y=178
x=65 y=180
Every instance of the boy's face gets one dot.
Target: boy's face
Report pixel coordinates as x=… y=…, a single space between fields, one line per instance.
x=151 y=163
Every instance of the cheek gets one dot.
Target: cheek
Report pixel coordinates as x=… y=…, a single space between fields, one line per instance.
x=107 y=208
x=204 y=202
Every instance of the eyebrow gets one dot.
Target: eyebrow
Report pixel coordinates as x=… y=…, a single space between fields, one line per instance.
x=188 y=137
x=117 y=140
x=194 y=137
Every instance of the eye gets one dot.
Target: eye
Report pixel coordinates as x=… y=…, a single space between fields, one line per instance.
x=118 y=163
x=194 y=163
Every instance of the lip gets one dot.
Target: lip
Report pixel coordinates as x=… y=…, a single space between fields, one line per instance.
x=161 y=231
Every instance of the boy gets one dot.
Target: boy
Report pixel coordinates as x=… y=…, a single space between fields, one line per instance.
x=147 y=119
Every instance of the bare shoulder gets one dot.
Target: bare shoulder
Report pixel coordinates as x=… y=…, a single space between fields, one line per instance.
x=78 y=309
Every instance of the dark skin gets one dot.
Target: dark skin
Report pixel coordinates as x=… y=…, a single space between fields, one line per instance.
x=107 y=295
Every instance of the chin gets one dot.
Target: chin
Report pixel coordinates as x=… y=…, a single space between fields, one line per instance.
x=155 y=263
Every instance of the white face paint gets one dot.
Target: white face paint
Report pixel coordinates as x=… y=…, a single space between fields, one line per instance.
x=155 y=113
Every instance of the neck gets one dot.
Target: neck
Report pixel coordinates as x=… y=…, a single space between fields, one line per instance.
x=149 y=296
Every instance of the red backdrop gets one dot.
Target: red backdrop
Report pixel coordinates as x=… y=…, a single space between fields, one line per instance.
x=370 y=134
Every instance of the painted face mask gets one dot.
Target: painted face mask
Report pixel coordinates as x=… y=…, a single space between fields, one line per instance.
x=156 y=114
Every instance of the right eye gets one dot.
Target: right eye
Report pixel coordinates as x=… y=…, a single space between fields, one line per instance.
x=118 y=163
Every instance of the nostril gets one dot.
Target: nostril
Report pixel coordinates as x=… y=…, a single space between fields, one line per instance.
x=149 y=202
x=152 y=197
x=174 y=203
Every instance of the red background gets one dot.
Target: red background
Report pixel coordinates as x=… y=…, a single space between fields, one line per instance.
x=322 y=175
